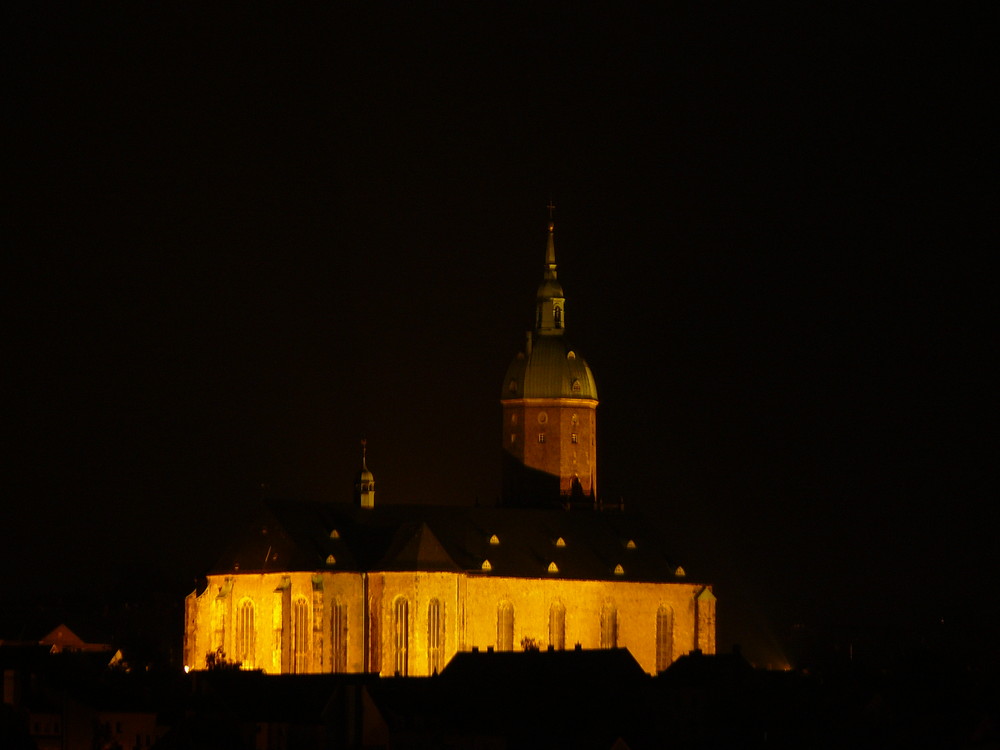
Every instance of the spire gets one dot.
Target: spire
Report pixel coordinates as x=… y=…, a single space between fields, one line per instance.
x=550 y=316
x=550 y=249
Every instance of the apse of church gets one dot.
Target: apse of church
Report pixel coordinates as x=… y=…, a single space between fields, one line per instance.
x=400 y=589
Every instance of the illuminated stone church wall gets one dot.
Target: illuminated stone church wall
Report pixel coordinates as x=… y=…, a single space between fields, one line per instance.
x=414 y=622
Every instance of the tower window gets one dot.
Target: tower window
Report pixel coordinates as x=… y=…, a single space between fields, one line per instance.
x=435 y=637
x=512 y=386
x=338 y=634
x=301 y=632
x=664 y=637
x=575 y=438
x=400 y=635
x=541 y=437
x=557 y=625
x=505 y=627
x=513 y=438
x=246 y=634
x=609 y=626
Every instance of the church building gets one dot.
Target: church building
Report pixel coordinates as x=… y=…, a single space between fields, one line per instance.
x=400 y=589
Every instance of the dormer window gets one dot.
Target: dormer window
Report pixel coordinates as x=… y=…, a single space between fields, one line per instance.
x=486 y=566
x=495 y=540
x=619 y=570
x=553 y=568
x=630 y=544
x=576 y=386
x=335 y=534
x=570 y=355
x=331 y=560
x=560 y=542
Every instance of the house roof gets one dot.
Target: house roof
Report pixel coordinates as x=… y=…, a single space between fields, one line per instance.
x=526 y=543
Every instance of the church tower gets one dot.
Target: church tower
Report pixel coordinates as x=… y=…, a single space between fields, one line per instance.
x=549 y=403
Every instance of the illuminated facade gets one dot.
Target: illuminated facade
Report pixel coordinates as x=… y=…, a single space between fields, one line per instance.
x=398 y=590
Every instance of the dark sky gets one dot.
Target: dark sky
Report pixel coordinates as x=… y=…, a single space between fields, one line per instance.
x=237 y=242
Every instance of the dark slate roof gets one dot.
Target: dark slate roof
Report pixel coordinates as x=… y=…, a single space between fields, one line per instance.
x=289 y=536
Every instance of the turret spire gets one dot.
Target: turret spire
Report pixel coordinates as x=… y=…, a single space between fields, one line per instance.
x=364 y=484
x=550 y=302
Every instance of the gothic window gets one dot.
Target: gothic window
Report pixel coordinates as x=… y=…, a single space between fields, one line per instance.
x=338 y=637
x=557 y=625
x=435 y=637
x=301 y=632
x=664 y=637
x=246 y=634
x=400 y=636
x=609 y=626
x=505 y=626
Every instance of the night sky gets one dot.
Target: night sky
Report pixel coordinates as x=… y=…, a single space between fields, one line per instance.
x=238 y=242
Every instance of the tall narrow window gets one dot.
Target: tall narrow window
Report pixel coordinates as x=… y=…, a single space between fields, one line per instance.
x=664 y=637
x=505 y=627
x=400 y=636
x=557 y=625
x=246 y=634
x=301 y=632
x=338 y=636
x=435 y=637
x=609 y=626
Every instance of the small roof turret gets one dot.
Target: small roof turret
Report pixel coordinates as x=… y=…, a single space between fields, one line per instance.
x=364 y=483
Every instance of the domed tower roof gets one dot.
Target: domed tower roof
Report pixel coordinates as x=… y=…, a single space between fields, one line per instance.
x=549 y=366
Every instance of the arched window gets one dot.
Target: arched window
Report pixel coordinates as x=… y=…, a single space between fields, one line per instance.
x=400 y=636
x=338 y=636
x=664 y=637
x=557 y=625
x=435 y=637
x=246 y=634
x=301 y=630
x=609 y=626
x=505 y=626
